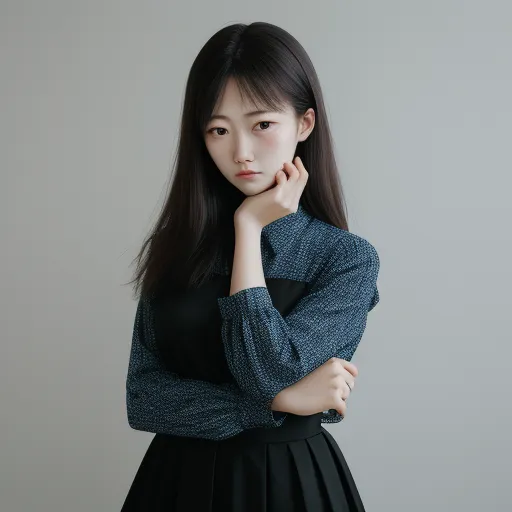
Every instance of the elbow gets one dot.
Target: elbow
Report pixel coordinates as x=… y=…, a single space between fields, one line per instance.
x=135 y=412
x=136 y=421
x=132 y=416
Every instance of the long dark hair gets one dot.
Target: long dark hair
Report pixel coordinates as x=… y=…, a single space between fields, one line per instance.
x=195 y=226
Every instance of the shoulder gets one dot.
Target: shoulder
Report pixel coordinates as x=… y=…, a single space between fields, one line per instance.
x=339 y=245
x=346 y=261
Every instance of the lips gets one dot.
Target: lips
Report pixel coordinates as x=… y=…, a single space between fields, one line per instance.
x=243 y=173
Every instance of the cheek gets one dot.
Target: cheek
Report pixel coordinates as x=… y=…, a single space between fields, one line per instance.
x=280 y=147
x=280 y=140
x=272 y=143
x=216 y=153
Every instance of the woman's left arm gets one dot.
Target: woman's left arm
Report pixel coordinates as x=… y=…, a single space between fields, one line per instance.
x=266 y=352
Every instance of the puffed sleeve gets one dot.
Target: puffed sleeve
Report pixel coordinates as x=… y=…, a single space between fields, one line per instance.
x=159 y=401
x=267 y=353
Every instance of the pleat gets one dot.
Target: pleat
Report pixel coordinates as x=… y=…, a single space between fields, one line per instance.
x=312 y=487
x=350 y=489
x=196 y=480
x=152 y=487
x=255 y=464
x=245 y=474
x=284 y=486
x=240 y=479
x=329 y=474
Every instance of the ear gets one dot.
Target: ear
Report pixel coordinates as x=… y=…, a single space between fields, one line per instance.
x=306 y=125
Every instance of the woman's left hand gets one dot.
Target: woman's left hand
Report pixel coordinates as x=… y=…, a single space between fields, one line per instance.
x=278 y=201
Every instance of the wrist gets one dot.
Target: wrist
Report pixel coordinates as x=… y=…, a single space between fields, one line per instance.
x=246 y=223
x=279 y=402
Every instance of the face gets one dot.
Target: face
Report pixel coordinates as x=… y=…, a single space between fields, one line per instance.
x=259 y=142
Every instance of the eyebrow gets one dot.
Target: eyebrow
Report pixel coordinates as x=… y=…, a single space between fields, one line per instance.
x=248 y=114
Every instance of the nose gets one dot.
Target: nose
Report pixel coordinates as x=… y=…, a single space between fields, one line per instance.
x=242 y=151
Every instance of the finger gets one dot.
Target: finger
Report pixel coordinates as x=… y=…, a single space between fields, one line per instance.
x=300 y=166
x=281 y=177
x=345 y=384
x=293 y=172
x=302 y=178
x=351 y=368
x=341 y=406
x=284 y=172
x=349 y=381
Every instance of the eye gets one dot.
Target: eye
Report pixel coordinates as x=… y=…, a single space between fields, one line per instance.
x=265 y=122
x=213 y=130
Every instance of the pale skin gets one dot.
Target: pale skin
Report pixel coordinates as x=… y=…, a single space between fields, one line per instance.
x=272 y=194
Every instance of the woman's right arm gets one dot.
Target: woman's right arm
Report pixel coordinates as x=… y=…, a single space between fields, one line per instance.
x=159 y=401
x=325 y=388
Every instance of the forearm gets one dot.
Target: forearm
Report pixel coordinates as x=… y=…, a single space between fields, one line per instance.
x=248 y=272
x=160 y=401
x=247 y=269
x=267 y=351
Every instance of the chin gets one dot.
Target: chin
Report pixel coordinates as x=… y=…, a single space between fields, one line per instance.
x=253 y=190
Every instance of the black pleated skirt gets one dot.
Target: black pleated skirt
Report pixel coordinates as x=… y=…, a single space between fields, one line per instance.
x=295 y=467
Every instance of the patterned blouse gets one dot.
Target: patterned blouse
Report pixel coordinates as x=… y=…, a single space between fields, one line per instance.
x=266 y=351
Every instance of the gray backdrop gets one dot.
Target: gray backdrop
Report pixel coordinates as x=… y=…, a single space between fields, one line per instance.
x=418 y=96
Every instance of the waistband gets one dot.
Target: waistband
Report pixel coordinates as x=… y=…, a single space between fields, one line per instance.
x=294 y=427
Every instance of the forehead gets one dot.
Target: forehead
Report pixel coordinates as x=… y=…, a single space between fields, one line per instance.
x=233 y=103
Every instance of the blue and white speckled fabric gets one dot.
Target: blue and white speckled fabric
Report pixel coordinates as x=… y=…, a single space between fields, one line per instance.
x=265 y=352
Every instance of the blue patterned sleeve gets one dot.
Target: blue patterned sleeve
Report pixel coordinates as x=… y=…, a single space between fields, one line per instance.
x=267 y=353
x=159 y=401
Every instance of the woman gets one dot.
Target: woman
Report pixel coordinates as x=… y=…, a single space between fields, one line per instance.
x=254 y=295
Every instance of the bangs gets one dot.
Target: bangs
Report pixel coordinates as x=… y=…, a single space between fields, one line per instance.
x=267 y=74
x=262 y=92
x=258 y=87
